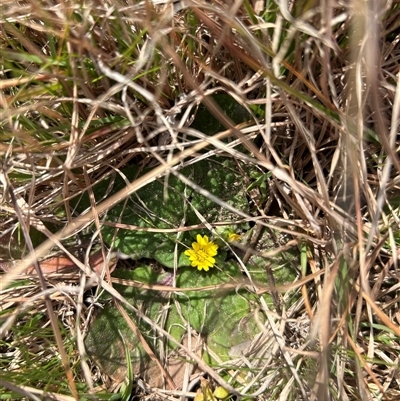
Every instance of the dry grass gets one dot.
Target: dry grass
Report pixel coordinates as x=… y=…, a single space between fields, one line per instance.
x=90 y=88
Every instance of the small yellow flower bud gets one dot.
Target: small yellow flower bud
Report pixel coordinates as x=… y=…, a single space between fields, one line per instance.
x=233 y=237
x=199 y=397
x=221 y=393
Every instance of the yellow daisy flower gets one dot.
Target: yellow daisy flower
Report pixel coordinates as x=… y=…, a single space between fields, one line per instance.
x=202 y=253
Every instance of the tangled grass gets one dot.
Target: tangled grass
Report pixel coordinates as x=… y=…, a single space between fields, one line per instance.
x=91 y=87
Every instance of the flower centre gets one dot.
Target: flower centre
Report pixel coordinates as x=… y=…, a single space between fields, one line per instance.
x=202 y=255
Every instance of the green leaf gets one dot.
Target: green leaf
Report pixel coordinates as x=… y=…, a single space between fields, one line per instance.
x=205 y=121
x=153 y=207
x=105 y=346
x=222 y=317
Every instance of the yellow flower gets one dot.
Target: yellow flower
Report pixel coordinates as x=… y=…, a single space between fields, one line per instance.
x=233 y=237
x=202 y=253
x=221 y=393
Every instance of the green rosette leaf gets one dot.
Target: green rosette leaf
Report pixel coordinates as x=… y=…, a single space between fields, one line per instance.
x=164 y=204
